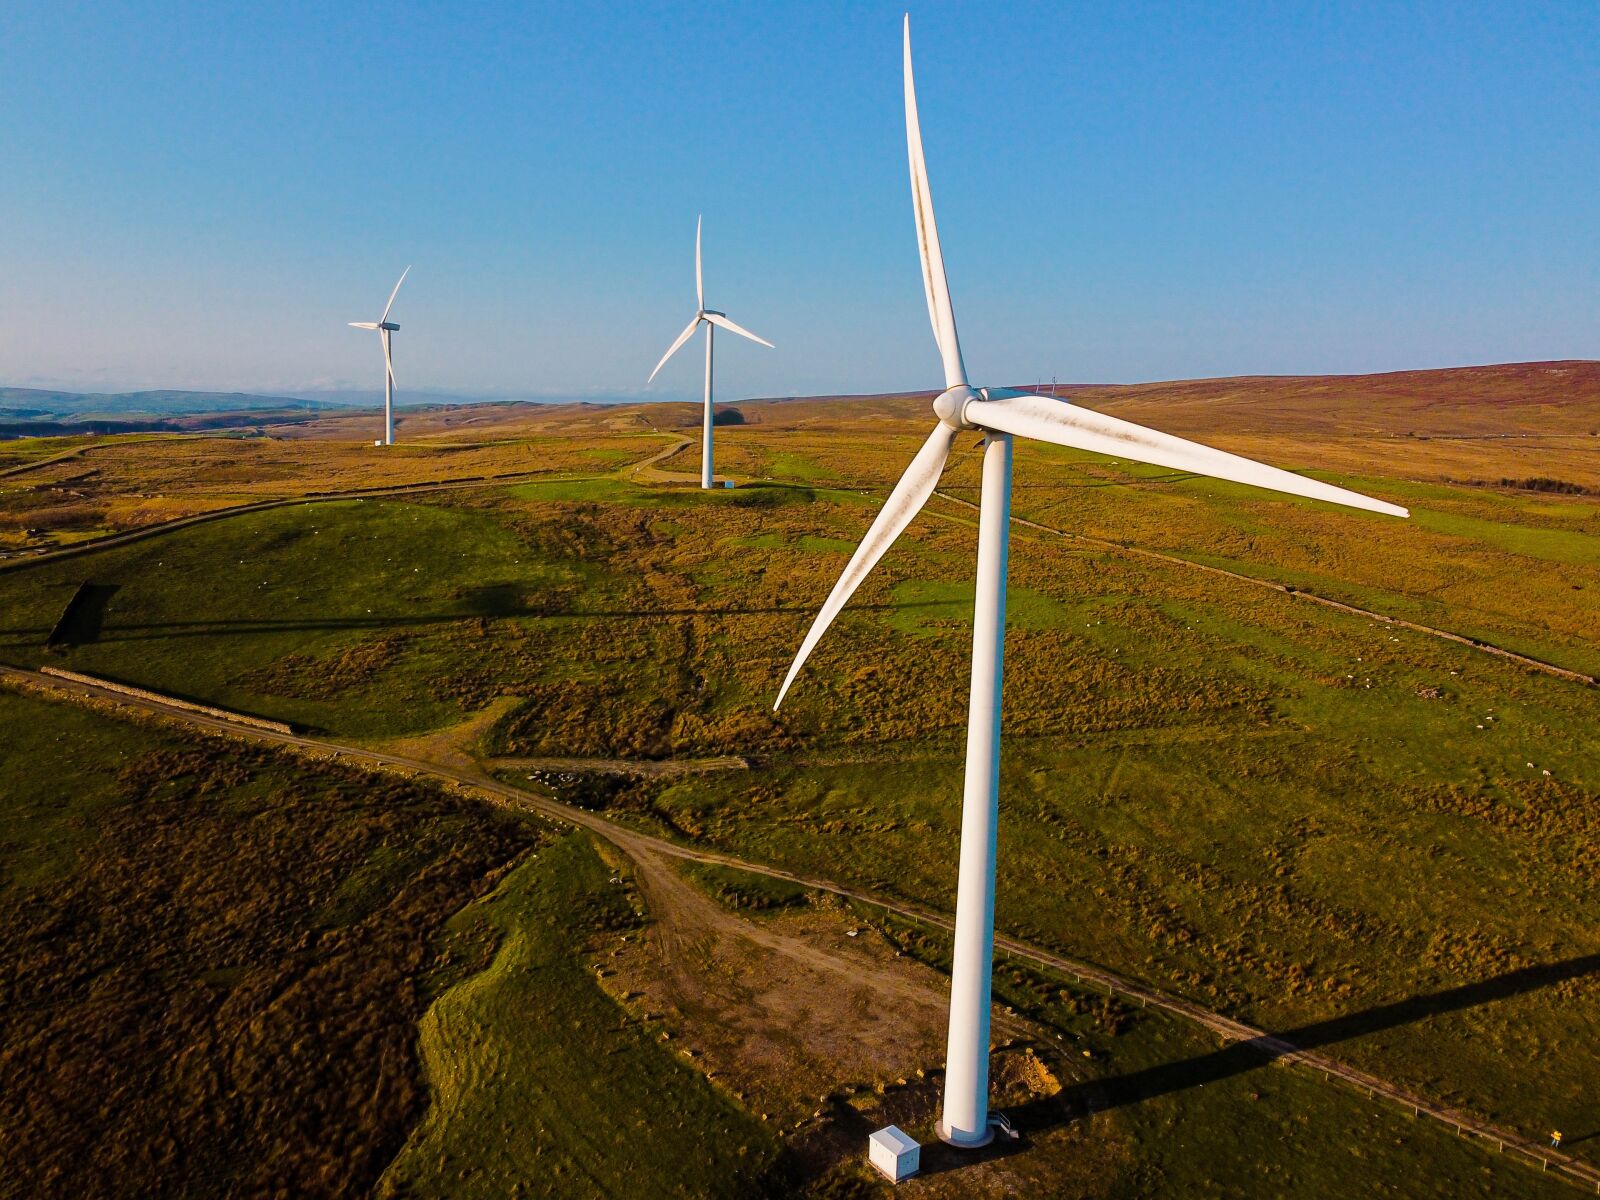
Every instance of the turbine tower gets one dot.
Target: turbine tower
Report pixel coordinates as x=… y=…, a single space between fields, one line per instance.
x=712 y=319
x=385 y=328
x=1001 y=414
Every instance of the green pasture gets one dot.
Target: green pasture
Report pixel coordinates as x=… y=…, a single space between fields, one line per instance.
x=541 y=1085
x=1204 y=1119
x=332 y=615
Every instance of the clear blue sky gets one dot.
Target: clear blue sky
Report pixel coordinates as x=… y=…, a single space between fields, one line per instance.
x=201 y=195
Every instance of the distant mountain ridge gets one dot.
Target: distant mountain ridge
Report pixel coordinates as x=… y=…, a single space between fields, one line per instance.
x=32 y=404
x=1494 y=400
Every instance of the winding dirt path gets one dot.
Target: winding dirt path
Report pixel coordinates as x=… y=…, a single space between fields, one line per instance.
x=36 y=464
x=646 y=850
x=638 y=768
x=647 y=471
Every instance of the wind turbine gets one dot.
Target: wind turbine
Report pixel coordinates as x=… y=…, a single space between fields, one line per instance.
x=712 y=318
x=385 y=327
x=1001 y=414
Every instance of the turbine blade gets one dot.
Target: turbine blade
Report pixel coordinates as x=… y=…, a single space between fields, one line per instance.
x=363 y=324
x=699 y=275
x=392 y=295
x=1046 y=419
x=388 y=361
x=905 y=502
x=673 y=349
x=719 y=319
x=934 y=284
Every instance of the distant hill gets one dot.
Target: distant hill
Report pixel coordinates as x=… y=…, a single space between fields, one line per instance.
x=1505 y=400
x=35 y=404
x=36 y=412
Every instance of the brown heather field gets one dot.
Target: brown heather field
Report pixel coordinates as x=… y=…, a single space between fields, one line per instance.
x=215 y=958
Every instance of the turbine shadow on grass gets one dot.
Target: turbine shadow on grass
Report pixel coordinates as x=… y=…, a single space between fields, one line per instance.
x=1240 y=1057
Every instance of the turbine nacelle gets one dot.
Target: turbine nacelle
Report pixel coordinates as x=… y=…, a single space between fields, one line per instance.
x=950 y=406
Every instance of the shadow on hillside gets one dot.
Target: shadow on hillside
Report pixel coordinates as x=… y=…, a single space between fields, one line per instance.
x=83 y=617
x=1240 y=1057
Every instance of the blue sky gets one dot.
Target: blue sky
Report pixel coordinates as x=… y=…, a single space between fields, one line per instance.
x=201 y=195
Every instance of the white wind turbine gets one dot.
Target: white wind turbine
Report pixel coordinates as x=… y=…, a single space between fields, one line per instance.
x=385 y=328
x=1000 y=413
x=712 y=318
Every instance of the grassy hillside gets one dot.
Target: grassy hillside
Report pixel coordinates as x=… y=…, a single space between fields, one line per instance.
x=543 y=1086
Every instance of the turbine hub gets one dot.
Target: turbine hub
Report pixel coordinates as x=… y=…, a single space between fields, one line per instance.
x=951 y=406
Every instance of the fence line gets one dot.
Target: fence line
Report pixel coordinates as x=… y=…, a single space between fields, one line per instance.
x=138 y=693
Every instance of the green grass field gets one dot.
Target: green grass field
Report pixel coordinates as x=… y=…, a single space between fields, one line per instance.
x=542 y=1085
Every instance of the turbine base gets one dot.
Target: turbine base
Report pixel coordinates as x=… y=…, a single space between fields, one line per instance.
x=964 y=1141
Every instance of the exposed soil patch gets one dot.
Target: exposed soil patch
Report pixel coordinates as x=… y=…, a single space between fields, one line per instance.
x=813 y=1021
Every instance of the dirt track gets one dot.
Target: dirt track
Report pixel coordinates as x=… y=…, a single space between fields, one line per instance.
x=648 y=852
x=637 y=767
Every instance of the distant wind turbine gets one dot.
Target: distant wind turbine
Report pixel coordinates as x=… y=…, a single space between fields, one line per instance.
x=385 y=327
x=1000 y=413
x=711 y=318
